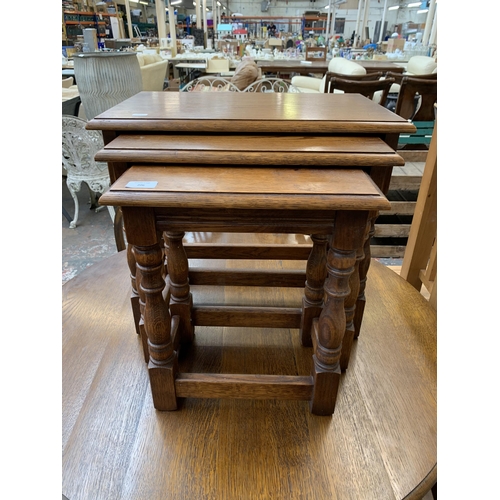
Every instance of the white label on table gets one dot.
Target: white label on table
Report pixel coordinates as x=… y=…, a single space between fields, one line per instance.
x=142 y=184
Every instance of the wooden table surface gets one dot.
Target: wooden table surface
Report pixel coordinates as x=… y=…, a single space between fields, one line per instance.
x=379 y=444
x=322 y=66
x=250 y=112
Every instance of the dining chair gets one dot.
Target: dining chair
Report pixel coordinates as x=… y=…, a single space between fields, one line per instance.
x=358 y=78
x=79 y=146
x=416 y=102
x=368 y=88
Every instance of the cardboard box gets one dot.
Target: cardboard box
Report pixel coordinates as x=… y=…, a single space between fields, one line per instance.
x=275 y=42
x=395 y=43
x=217 y=65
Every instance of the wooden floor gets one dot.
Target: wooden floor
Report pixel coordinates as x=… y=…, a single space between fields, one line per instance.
x=379 y=444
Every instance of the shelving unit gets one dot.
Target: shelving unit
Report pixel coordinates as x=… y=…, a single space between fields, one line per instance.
x=255 y=23
x=75 y=21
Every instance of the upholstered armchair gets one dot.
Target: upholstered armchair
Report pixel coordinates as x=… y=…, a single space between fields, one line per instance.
x=153 y=71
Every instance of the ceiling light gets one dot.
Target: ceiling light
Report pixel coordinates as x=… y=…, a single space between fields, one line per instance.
x=394 y=7
x=176 y=2
x=416 y=4
x=424 y=11
x=143 y=3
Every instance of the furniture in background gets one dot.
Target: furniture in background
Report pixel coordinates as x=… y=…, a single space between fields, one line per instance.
x=375 y=90
x=219 y=84
x=380 y=443
x=337 y=65
x=79 y=147
x=106 y=79
x=418 y=67
x=416 y=102
x=153 y=71
x=288 y=66
x=67 y=82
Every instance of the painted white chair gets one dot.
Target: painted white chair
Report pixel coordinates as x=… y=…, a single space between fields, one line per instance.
x=78 y=149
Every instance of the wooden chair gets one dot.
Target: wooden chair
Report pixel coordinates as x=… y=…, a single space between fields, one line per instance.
x=358 y=78
x=399 y=76
x=416 y=100
x=420 y=259
x=364 y=87
x=392 y=98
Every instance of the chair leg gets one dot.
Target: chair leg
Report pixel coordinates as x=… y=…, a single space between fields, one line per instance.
x=74 y=187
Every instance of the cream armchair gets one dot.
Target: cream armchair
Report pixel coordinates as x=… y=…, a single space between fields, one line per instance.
x=337 y=65
x=153 y=71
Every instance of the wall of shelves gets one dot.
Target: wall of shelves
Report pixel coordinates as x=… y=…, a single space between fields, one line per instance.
x=74 y=22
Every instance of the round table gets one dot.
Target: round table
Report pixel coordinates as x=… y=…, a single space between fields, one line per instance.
x=379 y=444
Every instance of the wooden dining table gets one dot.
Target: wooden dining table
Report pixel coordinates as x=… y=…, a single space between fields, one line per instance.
x=304 y=68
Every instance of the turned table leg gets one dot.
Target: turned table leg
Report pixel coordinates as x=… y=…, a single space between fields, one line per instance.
x=162 y=364
x=350 y=309
x=314 y=292
x=364 y=265
x=134 y=298
x=181 y=300
x=329 y=329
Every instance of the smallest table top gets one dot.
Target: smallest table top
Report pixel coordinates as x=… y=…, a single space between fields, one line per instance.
x=245 y=188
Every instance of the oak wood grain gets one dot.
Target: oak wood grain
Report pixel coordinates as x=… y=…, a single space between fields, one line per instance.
x=223 y=112
x=261 y=188
x=237 y=149
x=379 y=444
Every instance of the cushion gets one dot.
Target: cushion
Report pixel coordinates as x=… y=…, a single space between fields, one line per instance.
x=140 y=58
x=246 y=73
x=345 y=67
x=421 y=65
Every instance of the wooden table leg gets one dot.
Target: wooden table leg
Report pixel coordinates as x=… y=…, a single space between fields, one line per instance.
x=313 y=300
x=134 y=298
x=364 y=265
x=181 y=300
x=162 y=364
x=329 y=329
x=350 y=309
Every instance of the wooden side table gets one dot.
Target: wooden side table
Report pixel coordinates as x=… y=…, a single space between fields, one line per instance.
x=329 y=204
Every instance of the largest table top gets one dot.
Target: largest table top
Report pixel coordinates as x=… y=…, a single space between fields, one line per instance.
x=232 y=112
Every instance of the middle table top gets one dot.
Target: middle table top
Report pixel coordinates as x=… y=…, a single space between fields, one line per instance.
x=235 y=112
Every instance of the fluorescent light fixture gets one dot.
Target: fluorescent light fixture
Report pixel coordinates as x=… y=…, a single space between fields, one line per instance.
x=176 y=2
x=416 y=4
x=143 y=3
x=327 y=7
x=394 y=7
x=423 y=11
x=219 y=4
